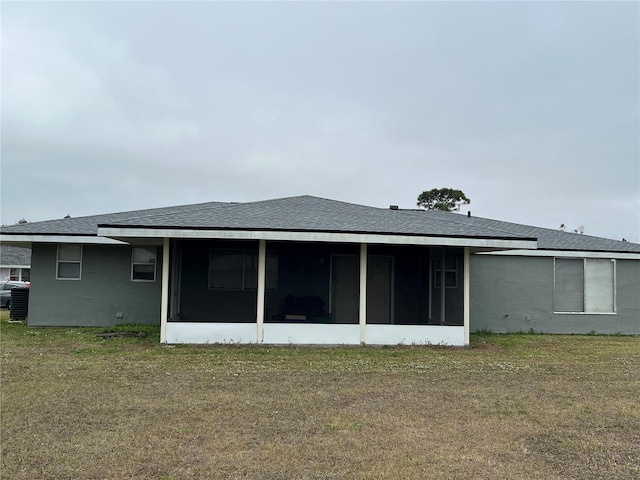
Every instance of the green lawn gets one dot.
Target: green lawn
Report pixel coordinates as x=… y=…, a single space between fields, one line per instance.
x=75 y=406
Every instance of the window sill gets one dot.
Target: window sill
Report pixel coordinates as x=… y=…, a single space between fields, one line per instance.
x=585 y=313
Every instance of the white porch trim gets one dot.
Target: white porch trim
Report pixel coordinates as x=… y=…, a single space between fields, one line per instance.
x=415 y=335
x=262 y=269
x=467 y=295
x=164 y=307
x=335 y=237
x=565 y=253
x=209 y=332
x=362 y=312
x=311 y=334
x=86 y=239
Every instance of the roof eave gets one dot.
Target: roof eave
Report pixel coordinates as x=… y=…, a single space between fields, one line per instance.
x=27 y=239
x=124 y=233
x=608 y=254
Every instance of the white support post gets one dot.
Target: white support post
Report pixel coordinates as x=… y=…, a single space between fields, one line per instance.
x=363 y=293
x=164 y=308
x=262 y=271
x=467 y=295
x=443 y=316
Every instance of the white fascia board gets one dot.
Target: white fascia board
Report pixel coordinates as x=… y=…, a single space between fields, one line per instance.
x=84 y=239
x=565 y=253
x=332 y=237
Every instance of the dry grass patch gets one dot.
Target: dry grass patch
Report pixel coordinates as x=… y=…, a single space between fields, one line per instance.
x=516 y=406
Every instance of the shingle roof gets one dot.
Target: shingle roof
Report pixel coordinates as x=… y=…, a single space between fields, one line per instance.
x=14 y=256
x=307 y=213
x=89 y=225
x=548 y=239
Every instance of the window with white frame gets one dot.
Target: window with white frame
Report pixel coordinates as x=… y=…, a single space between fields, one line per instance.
x=143 y=264
x=69 y=262
x=450 y=272
x=237 y=269
x=585 y=285
x=20 y=274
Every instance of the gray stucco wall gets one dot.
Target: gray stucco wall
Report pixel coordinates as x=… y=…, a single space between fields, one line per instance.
x=512 y=293
x=104 y=289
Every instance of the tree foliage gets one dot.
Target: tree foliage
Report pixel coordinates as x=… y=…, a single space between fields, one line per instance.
x=446 y=199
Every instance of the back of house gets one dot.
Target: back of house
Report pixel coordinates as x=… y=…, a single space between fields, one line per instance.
x=307 y=270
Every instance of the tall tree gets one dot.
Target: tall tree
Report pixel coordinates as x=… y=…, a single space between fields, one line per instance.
x=446 y=199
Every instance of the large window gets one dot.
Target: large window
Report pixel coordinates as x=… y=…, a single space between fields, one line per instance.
x=143 y=264
x=585 y=285
x=235 y=269
x=69 y=262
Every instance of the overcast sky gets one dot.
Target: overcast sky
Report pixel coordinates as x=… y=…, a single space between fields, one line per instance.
x=532 y=109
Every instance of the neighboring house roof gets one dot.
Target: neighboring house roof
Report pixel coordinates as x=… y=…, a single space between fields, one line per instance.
x=313 y=214
x=14 y=256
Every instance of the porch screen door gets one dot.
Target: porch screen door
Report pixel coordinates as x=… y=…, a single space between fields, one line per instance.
x=345 y=288
x=379 y=284
x=175 y=282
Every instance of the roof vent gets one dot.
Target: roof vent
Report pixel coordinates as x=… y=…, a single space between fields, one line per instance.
x=469 y=213
x=393 y=207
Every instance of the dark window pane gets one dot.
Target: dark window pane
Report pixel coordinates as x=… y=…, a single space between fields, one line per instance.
x=272 y=271
x=569 y=285
x=450 y=279
x=144 y=272
x=144 y=255
x=68 y=270
x=250 y=270
x=69 y=253
x=450 y=263
x=225 y=271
